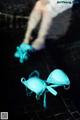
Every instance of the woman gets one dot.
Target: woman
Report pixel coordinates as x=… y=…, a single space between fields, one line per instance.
x=44 y=10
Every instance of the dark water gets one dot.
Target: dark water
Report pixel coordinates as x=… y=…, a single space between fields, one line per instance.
x=64 y=55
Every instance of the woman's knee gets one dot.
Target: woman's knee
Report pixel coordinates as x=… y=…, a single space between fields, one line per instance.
x=38 y=6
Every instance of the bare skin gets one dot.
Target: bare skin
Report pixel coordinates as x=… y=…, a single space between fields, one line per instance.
x=44 y=10
x=40 y=11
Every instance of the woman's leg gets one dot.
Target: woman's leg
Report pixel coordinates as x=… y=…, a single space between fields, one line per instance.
x=33 y=21
x=39 y=43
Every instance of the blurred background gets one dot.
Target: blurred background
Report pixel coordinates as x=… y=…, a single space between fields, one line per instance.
x=62 y=51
